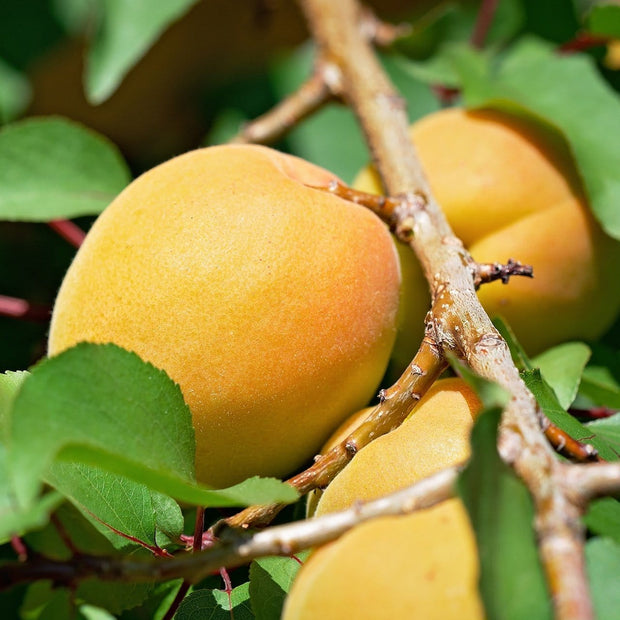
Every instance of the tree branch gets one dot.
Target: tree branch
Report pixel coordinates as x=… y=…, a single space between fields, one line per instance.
x=235 y=547
x=457 y=322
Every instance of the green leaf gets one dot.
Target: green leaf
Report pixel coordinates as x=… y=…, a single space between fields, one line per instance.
x=562 y=368
x=603 y=565
x=103 y=398
x=14 y=93
x=126 y=32
x=10 y=382
x=89 y=612
x=557 y=415
x=115 y=597
x=512 y=582
x=601 y=378
x=604 y=20
x=216 y=605
x=603 y=518
x=609 y=430
x=270 y=580
x=52 y=168
x=112 y=501
x=569 y=94
x=103 y=406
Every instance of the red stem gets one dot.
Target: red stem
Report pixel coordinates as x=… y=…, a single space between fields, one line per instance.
x=68 y=231
x=484 y=20
x=21 y=309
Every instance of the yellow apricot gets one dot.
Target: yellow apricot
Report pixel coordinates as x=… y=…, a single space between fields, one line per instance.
x=271 y=304
x=420 y=566
x=434 y=436
x=510 y=190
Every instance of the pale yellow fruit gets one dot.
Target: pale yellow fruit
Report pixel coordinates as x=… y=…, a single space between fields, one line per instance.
x=270 y=303
x=421 y=566
x=510 y=190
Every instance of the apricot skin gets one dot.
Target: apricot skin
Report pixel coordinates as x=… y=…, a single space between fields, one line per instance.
x=510 y=190
x=270 y=303
x=423 y=565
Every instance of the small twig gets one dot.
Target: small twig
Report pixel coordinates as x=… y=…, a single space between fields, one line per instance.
x=394 y=406
x=64 y=535
x=381 y=33
x=21 y=309
x=235 y=547
x=581 y=42
x=593 y=480
x=20 y=548
x=68 y=231
x=272 y=125
x=489 y=272
x=486 y=13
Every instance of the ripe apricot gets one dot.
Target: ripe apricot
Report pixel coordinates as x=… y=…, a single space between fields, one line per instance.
x=423 y=565
x=270 y=303
x=510 y=190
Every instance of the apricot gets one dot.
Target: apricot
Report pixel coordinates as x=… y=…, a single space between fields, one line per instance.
x=509 y=189
x=270 y=303
x=423 y=565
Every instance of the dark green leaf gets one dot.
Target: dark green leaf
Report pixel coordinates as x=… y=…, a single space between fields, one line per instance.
x=14 y=93
x=52 y=168
x=112 y=596
x=603 y=563
x=216 y=605
x=557 y=415
x=604 y=20
x=270 y=581
x=512 y=582
x=562 y=368
x=126 y=32
x=555 y=20
x=567 y=92
x=42 y=602
x=603 y=518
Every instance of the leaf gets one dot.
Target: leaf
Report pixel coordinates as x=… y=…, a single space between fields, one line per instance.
x=101 y=405
x=14 y=93
x=215 y=605
x=126 y=31
x=603 y=518
x=512 y=582
x=89 y=612
x=604 y=20
x=10 y=383
x=519 y=357
x=557 y=415
x=115 y=597
x=608 y=429
x=112 y=501
x=603 y=565
x=490 y=393
x=562 y=367
x=569 y=94
x=52 y=168
x=601 y=378
x=105 y=398
x=270 y=580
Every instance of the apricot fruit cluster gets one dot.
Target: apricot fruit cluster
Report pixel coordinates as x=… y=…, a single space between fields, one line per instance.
x=423 y=565
x=509 y=189
x=270 y=303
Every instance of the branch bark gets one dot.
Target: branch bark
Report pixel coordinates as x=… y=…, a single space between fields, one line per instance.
x=457 y=322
